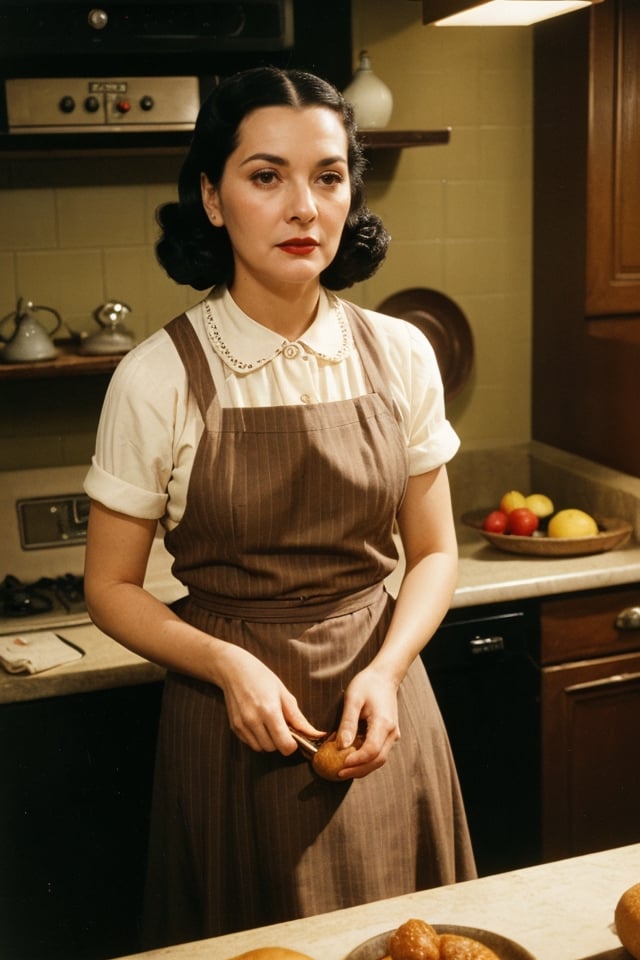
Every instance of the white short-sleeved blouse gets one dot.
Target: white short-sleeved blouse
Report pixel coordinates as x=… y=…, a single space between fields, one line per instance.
x=150 y=423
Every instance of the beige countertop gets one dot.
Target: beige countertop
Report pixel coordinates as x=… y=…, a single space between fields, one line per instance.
x=486 y=575
x=557 y=911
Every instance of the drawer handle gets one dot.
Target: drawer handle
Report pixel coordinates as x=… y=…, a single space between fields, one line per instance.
x=484 y=645
x=614 y=679
x=628 y=619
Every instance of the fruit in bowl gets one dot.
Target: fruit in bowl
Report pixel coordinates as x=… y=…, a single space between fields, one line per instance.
x=572 y=523
x=522 y=522
x=540 y=504
x=512 y=500
x=495 y=522
x=523 y=516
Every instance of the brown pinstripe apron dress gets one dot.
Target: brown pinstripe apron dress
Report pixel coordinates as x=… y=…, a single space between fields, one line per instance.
x=285 y=541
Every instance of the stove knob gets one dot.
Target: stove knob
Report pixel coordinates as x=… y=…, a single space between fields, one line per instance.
x=92 y=104
x=67 y=104
x=146 y=103
x=123 y=106
x=98 y=19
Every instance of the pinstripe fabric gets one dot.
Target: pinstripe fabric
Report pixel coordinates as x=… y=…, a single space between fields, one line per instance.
x=284 y=543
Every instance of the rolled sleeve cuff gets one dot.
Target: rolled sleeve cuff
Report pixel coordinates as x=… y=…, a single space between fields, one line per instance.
x=442 y=447
x=123 y=497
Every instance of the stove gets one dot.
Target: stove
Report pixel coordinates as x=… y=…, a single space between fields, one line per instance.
x=42 y=554
x=44 y=602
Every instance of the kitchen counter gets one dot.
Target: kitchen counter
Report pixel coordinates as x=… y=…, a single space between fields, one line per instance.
x=486 y=575
x=105 y=664
x=558 y=911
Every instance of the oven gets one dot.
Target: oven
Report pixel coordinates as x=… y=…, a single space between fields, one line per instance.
x=133 y=74
x=45 y=515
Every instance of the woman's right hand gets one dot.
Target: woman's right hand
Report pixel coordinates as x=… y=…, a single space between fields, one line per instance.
x=260 y=707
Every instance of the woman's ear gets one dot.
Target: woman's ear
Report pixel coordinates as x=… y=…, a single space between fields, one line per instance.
x=211 y=201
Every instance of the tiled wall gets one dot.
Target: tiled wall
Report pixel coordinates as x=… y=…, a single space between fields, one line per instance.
x=76 y=232
x=460 y=215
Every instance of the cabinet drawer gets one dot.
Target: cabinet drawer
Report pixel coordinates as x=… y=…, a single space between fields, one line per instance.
x=590 y=723
x=583 y=625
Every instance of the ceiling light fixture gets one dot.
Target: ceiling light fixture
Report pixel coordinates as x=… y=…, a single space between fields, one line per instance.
x=496 y=13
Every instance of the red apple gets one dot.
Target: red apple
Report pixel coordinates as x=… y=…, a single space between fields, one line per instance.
x=495 y=522
x=522 y=522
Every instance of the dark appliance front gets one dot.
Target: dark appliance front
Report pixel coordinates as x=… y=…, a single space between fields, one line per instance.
x=133 y=73
x=482 y=666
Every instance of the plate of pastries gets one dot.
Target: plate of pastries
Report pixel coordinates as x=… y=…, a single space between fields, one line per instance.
x=418 y=940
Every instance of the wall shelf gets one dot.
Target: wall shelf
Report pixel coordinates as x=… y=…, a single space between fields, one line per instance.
x=399 y=139
x=67 y=364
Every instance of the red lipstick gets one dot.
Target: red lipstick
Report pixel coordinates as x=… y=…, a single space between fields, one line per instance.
x=299 y=246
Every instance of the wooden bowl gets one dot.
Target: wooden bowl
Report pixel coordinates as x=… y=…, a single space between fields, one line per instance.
x=613 y=532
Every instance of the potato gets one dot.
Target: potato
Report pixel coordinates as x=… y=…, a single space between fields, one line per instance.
x=329 y=759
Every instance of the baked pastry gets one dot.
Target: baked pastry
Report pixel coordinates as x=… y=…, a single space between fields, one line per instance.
x=455 y=947
x=627 y=917
x=272 y=953
x=329 y=758
x=414 y=940
x=418 y=940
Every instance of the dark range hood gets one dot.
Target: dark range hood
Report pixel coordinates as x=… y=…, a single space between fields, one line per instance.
x=132 y=73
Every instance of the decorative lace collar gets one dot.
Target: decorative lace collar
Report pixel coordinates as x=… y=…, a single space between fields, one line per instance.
x=245 y=345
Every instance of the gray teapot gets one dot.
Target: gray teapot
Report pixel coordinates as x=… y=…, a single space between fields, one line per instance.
x=113 y=336
x=29 y=341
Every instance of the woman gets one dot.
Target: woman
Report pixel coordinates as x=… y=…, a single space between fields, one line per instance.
x=279 y=434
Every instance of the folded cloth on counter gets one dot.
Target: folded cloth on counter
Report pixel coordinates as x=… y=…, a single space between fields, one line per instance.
x=35 y=652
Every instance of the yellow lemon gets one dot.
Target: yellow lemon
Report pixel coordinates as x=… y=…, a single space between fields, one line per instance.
x=512 y=500
x=540 y=504
x=572 y=523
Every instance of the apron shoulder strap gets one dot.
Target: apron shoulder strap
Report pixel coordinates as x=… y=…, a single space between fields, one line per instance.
x=371 y=353
x=193 y=357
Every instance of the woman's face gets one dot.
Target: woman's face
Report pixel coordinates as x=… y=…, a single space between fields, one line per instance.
x=284 y=195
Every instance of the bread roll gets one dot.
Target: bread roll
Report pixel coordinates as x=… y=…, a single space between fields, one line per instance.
x=272 y=953
x=455 y=947
x=414 y=940
x=329 y=759
x=627 y=917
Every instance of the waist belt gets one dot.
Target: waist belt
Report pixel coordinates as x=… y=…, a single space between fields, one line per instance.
x=296 y=610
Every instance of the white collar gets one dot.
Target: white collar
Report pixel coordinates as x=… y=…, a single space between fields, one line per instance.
x=245 y=345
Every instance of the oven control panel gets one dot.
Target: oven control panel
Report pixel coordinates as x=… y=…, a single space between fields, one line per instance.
x=77 y=105
x=53 y=521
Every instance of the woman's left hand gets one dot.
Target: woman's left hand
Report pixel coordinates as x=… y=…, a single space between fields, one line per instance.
x=371 y=699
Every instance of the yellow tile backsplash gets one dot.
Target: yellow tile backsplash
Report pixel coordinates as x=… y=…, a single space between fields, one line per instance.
x=76 y=232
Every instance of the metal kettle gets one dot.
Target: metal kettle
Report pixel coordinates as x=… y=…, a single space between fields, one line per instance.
x=30 y=341
x=113 y=336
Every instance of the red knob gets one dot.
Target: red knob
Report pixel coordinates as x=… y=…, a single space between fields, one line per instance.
x=123 y=106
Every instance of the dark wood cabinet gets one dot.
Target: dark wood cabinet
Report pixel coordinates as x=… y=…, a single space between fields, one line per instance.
x=586 y=263
x=613 y=161
x=590 y=721
x=74 y=807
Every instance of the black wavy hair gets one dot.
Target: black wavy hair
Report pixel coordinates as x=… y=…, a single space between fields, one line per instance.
x=192 y=250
